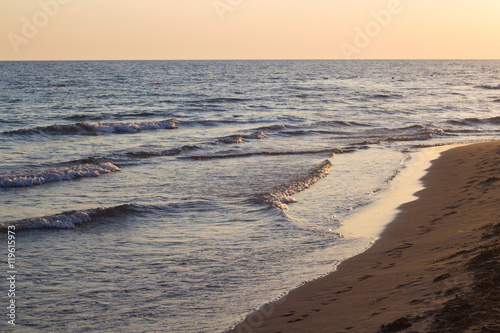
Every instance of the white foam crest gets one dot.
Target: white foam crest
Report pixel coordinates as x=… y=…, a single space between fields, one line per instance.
x=131 y=127
x=93 y=128
x=231 y=139
x=255 y=136
x=53 y=175
x=423 y=135
x=238 y=138
x=61 y=221
x=66 y=220
x=282 y=196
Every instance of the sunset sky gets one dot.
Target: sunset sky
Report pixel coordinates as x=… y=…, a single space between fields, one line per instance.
x=249 y=29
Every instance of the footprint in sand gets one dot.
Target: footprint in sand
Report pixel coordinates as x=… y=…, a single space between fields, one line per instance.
x=365 y=277
x=442 y=277
x=289 y=314
x=344 y=291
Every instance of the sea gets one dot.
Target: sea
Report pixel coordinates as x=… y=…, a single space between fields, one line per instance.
x=178 y=196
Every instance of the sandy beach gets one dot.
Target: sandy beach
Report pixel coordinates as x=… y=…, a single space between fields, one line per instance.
x=434 y=269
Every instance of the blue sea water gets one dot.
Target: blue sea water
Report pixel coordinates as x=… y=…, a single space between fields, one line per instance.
x=161 y=196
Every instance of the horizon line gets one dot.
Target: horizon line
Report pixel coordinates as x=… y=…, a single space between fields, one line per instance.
x=262 y=59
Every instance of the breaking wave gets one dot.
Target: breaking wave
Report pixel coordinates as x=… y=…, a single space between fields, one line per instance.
x=239 y=138
x=281 y=196
x=166 y=152
x=31 y=178
x=67 y=220
x=86 y=128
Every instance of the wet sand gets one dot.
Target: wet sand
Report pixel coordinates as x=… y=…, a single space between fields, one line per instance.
x=435 y=268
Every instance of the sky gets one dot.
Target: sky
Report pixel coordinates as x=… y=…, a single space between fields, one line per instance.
x=249 y=29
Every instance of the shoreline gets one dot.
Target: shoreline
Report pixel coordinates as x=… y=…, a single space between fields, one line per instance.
x=372 y=220
x=433 y=268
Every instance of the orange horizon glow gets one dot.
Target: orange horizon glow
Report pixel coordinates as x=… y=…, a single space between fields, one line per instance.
x=248 y=29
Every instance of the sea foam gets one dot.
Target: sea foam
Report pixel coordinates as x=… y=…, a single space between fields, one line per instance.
x=282 y=195
x=66 y=220
x=131 y=127
x=93 y=128
x=239 y=138
x=30 y=178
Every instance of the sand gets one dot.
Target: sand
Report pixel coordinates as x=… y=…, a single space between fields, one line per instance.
x=435 y=268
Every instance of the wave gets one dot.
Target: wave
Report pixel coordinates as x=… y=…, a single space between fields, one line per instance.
x=86 y=128
x=488 y=86
x=226 y=100
x=139 y=114
x=417 y=133
x=12 y=100
x=297 y=133
x=330 y=152
x=239 y=138
x=144 y=114
x=81 y=117
x=282 y=196
x=314 y=88
x=423 y=135
x=31 y=178
x=492 y=120
x=341 y=123
x=368 y=142
x=208 y=122
x=475 y=121
x=130 y=127
x=415 y=127
x=67 y=220
x=166 y=152
x=271 y=128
